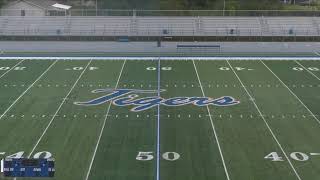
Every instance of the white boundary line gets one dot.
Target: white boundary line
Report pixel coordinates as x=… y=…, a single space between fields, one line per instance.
x=265 y=121
x=169 y=58
x=212 y=125
x=11 y=68
x=28 y=89
x=291 y=92
x=55 y=114
x=103 y=126
x=307 y=70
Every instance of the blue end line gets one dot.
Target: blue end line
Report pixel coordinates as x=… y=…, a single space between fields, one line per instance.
x=158 y=126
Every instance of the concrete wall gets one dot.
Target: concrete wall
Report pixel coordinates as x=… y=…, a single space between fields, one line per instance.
x=15 y=10
x=151 y=47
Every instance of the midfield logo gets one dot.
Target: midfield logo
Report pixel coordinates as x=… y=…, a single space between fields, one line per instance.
x=130 y=97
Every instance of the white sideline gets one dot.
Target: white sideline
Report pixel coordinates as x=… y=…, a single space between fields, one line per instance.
x=169 y=58
x=103 y=126
x=292 y=92
x=11 y=68
x=55 y=114
x=1 y=166
x=265 y=121
x=307 y=70
x=28 y=89
x=212 y=125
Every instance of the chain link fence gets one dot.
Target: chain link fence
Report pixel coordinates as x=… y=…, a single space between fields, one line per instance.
x=113 y=12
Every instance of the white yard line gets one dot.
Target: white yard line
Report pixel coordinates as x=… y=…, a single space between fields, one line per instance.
x=291 y=92
x=103 y=126
x=28 y=88
x=55 y=114
x=307 y=70
x=212 y=125
x=316 y=53
x=158 y=121
x=11 y=68
x=265 y=121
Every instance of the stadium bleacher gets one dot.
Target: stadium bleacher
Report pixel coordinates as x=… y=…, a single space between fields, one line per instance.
x=158 y=26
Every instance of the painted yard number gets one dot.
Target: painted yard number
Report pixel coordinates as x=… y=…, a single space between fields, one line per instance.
x=148 y=156
x=309 y=68
x=43 y=154
x=162 y=68
x=235 y=68
x=298 y=156
x=81 y=68
x=18 y=68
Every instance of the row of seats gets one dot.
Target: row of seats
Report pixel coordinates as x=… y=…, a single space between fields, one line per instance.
x=159 y=26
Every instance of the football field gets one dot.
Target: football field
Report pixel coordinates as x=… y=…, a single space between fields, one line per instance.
x=164 y=119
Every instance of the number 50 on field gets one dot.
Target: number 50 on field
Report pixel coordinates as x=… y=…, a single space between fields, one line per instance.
x=148 y=156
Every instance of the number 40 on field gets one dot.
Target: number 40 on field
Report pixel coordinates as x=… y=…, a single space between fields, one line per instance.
x=298 y=156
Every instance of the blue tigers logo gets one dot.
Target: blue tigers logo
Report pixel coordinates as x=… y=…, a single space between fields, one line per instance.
x=130 y=97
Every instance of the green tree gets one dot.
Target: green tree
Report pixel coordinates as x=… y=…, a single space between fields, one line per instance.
x=259 y=4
